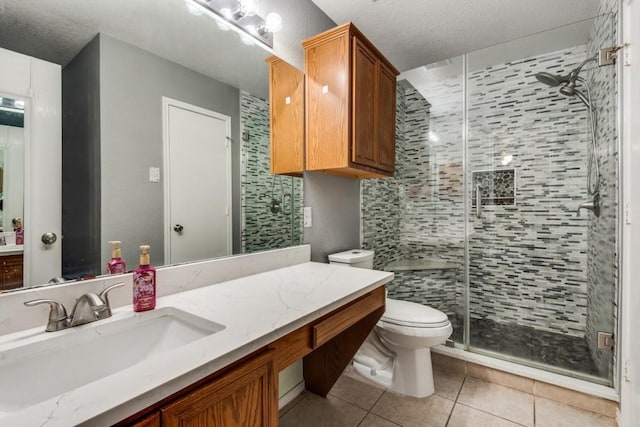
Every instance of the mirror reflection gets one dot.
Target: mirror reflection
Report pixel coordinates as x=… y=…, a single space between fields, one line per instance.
x=165 y=135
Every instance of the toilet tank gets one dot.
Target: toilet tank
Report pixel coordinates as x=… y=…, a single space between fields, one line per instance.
x=360 y=258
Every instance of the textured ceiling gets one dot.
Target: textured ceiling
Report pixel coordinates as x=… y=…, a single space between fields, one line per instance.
x=418 y=32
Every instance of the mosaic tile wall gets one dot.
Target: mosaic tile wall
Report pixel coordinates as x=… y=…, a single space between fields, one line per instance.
x=602 y=261
x=528 y=261
x=261 y=228
x=380 y=202
x=419 y=214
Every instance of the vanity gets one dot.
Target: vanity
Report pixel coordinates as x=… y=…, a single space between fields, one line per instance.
x=11 y=267
x=253 y=326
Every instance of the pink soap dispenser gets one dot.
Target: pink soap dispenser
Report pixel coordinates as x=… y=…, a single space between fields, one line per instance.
x=117 y=264
x=17 y=227
x=144 y=283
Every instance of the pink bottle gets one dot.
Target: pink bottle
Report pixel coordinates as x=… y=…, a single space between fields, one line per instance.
x=116 y=265
x=144 y=283
x=17 y=227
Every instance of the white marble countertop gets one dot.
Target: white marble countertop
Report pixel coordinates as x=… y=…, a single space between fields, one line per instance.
x=255 y=310
x=11 y=249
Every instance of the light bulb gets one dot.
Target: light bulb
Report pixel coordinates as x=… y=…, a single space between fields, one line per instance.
x=226 y=12
x=273 y=22
x=251 y=29
x=248 y=7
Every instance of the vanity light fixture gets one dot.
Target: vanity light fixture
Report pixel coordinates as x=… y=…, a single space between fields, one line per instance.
x=242 y=17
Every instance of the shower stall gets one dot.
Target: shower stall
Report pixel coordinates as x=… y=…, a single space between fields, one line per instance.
x=503 y=210
x=271 y=205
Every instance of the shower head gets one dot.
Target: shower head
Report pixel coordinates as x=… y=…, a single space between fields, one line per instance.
x=569 y=89
x=552 y=80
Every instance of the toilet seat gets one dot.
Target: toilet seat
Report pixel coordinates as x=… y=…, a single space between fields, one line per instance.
x=413 y=315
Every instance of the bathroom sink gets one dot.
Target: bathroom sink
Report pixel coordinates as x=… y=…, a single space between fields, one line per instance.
x=62 y=361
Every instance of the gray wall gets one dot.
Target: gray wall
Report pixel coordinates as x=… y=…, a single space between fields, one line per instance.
x=335 y=205
x=81 y=243
x=301 y=19
x=132 y=85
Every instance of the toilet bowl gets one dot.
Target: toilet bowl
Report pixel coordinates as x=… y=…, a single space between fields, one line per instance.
x=397 y=353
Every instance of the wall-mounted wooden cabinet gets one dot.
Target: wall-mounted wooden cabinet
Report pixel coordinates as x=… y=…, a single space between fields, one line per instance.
x=350 y=105
x=286 y=104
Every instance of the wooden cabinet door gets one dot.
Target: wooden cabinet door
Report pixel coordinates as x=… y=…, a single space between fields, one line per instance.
x=245 y=396
x=286 y=102
x=152 y=420
x=386 y=119
x=327 y=104
x=363 y=143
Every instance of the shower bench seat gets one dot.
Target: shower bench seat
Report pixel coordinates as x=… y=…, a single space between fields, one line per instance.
x=419 y=264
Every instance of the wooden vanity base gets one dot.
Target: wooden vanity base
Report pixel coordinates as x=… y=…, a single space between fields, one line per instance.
x=323 y=367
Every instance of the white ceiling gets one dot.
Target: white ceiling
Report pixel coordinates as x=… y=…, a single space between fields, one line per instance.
x=418 y=32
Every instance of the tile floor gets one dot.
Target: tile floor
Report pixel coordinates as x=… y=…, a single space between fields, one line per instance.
x=460 y=400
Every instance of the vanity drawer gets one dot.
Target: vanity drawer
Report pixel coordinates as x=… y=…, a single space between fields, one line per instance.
x=306 y=339
x=342 y=319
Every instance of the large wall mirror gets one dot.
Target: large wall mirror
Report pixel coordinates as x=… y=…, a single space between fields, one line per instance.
x=165 y=135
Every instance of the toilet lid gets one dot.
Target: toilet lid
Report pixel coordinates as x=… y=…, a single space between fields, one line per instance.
x=406 y=313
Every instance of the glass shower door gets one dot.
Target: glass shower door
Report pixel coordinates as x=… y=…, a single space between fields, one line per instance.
x=541 y=276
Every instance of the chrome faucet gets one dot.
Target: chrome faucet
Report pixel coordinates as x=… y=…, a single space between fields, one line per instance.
x=88 y=308
x=593 y=205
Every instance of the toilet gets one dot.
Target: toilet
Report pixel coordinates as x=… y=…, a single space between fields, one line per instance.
x=397 y=353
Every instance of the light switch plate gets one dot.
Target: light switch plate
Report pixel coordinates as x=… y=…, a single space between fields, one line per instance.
x=154 y=174
x=307 y=217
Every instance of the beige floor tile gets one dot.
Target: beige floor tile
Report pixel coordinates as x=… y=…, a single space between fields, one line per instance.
x=498 y=400
x=361 y=394
x=372 y=420
x=447 y=382
x=500 y=377
x=442 y=361
x=465 y=416
x=410 y=411
x=286 y=408
x=315 y=411
x=556 y=414
x=579 y=400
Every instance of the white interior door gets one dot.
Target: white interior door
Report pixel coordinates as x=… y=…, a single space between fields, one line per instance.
x=39 y=84
x=198 y=182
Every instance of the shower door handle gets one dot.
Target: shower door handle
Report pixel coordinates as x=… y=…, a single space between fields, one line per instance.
x=478 y=201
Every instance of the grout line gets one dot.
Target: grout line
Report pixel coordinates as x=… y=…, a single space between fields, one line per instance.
x=455 y=402
x=493 y=415
x=460 y=389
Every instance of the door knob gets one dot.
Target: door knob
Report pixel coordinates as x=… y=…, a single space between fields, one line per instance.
x=178 y=228
x=49 y=238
